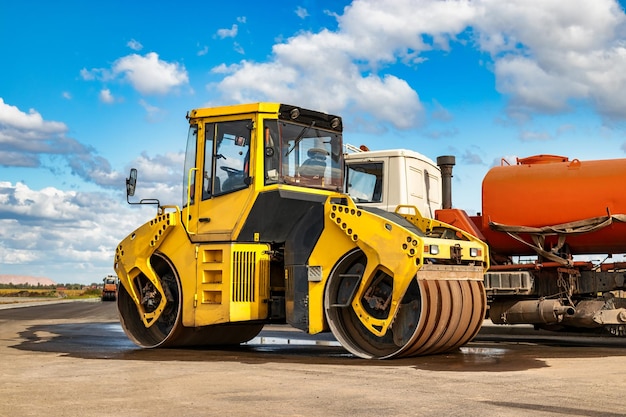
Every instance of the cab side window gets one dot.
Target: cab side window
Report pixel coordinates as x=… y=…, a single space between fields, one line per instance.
x=210 y=183
x=271 y=151
x=189 y=177
x=232 y=156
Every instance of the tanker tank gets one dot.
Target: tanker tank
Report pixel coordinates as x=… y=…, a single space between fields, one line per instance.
x=559 y=204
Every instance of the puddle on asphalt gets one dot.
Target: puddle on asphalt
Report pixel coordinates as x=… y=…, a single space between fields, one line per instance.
x=276 y=341
x=486 y=354
x=108 y=341
x=468 y=358
x=113 y=328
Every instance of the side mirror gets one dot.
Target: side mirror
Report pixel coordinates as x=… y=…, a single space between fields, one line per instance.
x=131 y=183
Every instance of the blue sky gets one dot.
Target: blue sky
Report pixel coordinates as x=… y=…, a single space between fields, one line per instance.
x=88 y=90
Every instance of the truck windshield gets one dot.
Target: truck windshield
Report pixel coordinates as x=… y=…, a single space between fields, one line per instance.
x=303 y=155
x=364 y=182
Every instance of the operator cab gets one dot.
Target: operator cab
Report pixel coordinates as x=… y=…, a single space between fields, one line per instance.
x=255 y=147
x=247 y=156
x=246 y=149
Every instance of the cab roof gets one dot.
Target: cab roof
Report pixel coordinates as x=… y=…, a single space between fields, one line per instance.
x=235 y=109
x=390 y=153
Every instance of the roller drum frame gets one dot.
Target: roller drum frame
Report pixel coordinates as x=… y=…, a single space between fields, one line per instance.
x=168 y=331
x=436 y=316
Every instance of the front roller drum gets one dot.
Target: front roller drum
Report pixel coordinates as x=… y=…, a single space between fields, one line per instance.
x=435 y=315
x=168 y=331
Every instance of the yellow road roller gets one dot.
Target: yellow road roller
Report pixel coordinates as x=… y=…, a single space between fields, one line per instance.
x=266 y=234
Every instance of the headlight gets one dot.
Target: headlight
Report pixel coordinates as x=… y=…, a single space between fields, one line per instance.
x=433 y=249
x=474 y=252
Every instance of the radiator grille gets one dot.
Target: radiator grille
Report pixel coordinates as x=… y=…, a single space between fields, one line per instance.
x=243 y=276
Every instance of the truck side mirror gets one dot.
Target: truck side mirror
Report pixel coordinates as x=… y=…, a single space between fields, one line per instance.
x=131 y=182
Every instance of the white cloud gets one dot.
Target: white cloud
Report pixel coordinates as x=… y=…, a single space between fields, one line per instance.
x=87 y=75
x=95 y=74
x=546 y=56
x=203 y=51
x=532 y=136
x=440 y=113
x=93 y=168
x=49 y=232
x=381 y=32
x=239 y=49
x=66 y=95
x=150 y=75
x=372 y=90
x=147 y=74
x=134 y=45
x=26 y=138
x=472 y=158
x=225 y=69
x=317 y=71
x=106 y=96
x=13 y=118
x=19 y=159
x=301 y=12
x=160 y=170
x=227 y=33
x=152 y=112
x=339 y=71
x=48 y=203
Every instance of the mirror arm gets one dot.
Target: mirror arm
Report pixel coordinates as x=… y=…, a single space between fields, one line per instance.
x=131 y=183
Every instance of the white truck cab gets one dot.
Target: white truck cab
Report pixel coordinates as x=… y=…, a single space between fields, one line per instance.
x=388 y=178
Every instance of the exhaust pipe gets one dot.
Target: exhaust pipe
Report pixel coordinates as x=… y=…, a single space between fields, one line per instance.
x=445 y=164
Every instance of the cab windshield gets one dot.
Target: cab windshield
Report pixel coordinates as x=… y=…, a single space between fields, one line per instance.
x=303 y=155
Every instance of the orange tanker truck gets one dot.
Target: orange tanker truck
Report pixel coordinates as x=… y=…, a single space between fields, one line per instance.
x=551 y=224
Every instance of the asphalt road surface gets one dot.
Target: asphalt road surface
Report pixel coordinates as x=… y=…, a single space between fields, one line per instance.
x=73 y=359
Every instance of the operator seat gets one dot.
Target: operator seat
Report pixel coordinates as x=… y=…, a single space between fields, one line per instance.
x=315 y=166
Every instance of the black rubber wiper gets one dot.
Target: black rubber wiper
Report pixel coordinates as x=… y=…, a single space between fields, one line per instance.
x=300 y=136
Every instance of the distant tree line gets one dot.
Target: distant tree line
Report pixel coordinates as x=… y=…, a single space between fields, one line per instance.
x=67 y=286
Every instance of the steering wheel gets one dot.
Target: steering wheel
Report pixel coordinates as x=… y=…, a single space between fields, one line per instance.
x=232 y=171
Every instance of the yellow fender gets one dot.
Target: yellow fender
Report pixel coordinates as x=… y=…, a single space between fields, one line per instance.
x=132 y=258
x=388 y=247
